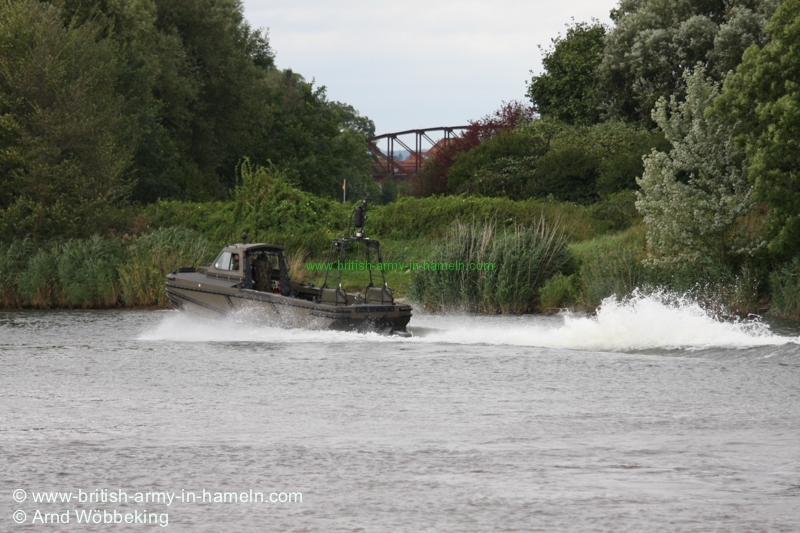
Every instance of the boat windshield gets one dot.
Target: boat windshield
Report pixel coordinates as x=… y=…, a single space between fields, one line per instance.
x=227 y=261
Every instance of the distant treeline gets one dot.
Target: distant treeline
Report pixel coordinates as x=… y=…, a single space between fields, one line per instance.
x=107 y=103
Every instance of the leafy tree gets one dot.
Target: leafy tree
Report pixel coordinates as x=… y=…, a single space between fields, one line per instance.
x=619 y=148
x=492 y=153
x=655 y=41
x=201 y=90
x=213 y=89
x=693 y=197
x=434 y=177
x=65 y=133
x=319 y=141
x=764 y=94
x=567 y=173
x=567 y=91
x=547 y=157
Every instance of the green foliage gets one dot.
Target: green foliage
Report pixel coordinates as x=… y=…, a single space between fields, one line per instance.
x=105 y=102
x=321 y=142
x=559 y=292
x=493 y=154
x=765 y=95
x=567 y=91
x=413 y=218
x=38 y=284
x=548 y=158
x=611 y=265
x=75 y=273
x=654 y=41
x=267 y=205
x=522 y=258
x=618 y=210
x=693 y=199
x=13 y=260
x=267 y=198
x=216 y=221
x=435 y=177
x=65 y=131
x=152 y=256
x=620 y=149
x=87 y=271
x=585 y=163
x=568 y=173
x=784 y=284
x=388 y=191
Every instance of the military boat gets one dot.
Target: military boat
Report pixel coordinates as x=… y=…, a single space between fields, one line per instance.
x=254 y=279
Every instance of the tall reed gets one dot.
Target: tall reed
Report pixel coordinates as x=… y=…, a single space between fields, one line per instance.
x=38 y=284
x=152 y=256
x=13 y=260
x=87 y=271
x=521 y=259
x=784 y=285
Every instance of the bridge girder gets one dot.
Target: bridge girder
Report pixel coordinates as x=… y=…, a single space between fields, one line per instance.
x=385 y=165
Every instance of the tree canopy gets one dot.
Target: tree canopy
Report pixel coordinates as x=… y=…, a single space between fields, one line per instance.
x=654 y=41
x=138 y=100
x=692 y=197
x=764 y=94
x=66 y=134
x=567 y=90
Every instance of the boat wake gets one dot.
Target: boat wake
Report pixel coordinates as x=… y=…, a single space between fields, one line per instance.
x=659 y=321
x=656 y=321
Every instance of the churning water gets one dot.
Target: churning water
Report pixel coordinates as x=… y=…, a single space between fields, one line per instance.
x=649 y=416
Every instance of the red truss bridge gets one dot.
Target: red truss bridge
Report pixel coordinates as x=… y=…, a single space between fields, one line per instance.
x=385 y=163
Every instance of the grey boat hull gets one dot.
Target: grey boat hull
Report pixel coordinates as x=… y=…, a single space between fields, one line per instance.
x=196 y=293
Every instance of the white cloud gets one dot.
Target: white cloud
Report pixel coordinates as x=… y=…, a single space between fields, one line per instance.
x=418 y=63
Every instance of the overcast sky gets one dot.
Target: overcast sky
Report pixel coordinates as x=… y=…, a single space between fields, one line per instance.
x=417 y=64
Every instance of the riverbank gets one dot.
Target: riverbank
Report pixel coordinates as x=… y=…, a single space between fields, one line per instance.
x=598 y=252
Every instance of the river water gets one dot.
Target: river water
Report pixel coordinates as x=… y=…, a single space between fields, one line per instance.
x=648 y=417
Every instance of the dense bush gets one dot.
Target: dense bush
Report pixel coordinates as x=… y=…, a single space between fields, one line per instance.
x=560 y=292
x=610 y=265
x=567 y=173
x=267 y=205
x=38 y=284
x=74 y=273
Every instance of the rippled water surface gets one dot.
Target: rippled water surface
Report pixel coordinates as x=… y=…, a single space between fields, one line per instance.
x=647 y=417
